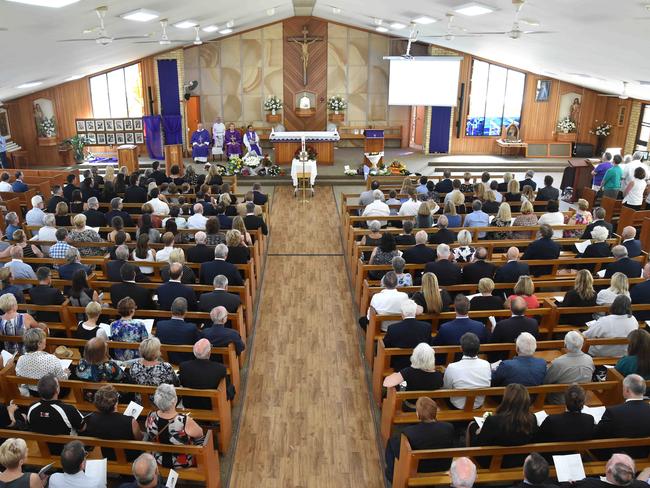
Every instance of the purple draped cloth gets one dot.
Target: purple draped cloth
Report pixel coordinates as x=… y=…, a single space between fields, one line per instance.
x=153 y=136
x=173 y=129
x=200 y=144
x=233 y=143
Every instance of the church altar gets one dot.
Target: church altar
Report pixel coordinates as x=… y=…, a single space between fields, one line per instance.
x=285 y=145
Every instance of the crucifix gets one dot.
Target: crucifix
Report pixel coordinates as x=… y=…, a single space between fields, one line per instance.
x=304 y=41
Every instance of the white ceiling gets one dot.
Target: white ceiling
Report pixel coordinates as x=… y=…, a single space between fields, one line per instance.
x=599 y=38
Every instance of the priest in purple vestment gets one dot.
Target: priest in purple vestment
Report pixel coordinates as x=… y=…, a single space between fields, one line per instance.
x=251 y=141
x=200 y=144
x=233 y=141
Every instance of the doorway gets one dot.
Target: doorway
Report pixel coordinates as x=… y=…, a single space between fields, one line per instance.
x=192 y=115
x=416 y=138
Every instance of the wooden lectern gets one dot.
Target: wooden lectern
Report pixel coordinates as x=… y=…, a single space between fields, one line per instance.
x=127 y=155
x=173 y=156
x=373 y=143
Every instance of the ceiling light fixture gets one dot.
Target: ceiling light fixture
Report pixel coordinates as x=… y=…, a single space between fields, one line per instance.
x=424 y=20
x=473 y=9
x=210 y=28
x=270 y=12
x=381 y=29
x=230 y=24
x=225 y=31
x=140 y=15
x=336 y=10
x=378 y=21
x=397 y=25
x=46 y=3
x=30 y=84
x=197 y=39
x=186 y=24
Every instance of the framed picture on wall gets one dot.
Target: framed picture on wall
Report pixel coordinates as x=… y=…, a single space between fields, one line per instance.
x=99 y=125
x=92 y=138
x=620 y=118
x=119 y=138
x=81 y=126
x=101 y=139
x=137 y=124
x=543 y=90
x=130 y=138
x=110 y=139
x=139 y=138
x=108 y=123
x=128 y=124
x=82 y=136
x=119 y=125
x=90 y=125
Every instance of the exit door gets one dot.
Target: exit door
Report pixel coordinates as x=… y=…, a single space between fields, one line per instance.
x=192 y=116
x=416 y=139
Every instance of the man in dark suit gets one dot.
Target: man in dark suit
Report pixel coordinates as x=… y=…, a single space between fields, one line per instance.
x=507 y=330
x=69 y=187
x=535 y=473
x=254 y=222
x=631 y=243
x=45 y=294
x=406 y=238
x=444 y=235
x=219 y=297
x=513 y=269
x=219 y=266
x=202 y=374
x=449 y=333
x=528 y=180
x=57 y=197
x=135 y=193
x=176 y=331
x=599 y=219
x=116 y=211
x=72 y=264
x=448 y=273
x=259 y=198
x=408 y=333
x=218 y=334
x=158 y=174
x=547 y=192
x=225 y=222
x=114 y=267
x=543 y=248
x=524 y=368
x=129 y=288
x=94 y=218
x=619 y=471
x=623 y=264
x=640 y=294
x=444 y=185
x=569 y=426
x=473 y=272
x=420 y=253
x=168 y=292
x=200 y=253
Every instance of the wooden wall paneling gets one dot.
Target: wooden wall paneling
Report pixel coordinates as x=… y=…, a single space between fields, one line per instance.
x=147 y=69
x=316 y=73
x=619 y=134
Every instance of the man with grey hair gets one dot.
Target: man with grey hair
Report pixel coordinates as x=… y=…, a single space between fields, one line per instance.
x=619 y=471
x=176 y=331
x=219 y=297
x=219 y=266
x=388 y=301
x=13 y=224
x=198 y=220
x=444 y=235
x=631 y=243
x=524 y=368
x=19 y=269
x=47 y=233
x=117 y=211
x=203 y=374
x=462 y=473
x=94 y=218
x=200 y=252
x=420 y=253
x=528 y=180
x=377 y=208
x=406 y=238
x=477 y=218
x=599 y=219
x=146 y=474
x=113 y=267
x=623 y=264
x=573 y=367
x=218 y=334
x=252 y=221
x=407 y=333
x=447 y=272
x=35 y=214
x=169 y=292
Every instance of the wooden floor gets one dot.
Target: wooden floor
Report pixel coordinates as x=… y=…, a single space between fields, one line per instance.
x=306 y=420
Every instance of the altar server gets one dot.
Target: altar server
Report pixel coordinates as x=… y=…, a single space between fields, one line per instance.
x=200 y=144
x=251 y=141
x=218 y=132
x=233 y=141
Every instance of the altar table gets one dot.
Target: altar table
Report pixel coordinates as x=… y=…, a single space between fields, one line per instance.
x=285 y=145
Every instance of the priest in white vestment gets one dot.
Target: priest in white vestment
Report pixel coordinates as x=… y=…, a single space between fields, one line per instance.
x=218 y=134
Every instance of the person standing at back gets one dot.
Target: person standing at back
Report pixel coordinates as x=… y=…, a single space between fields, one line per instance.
x=612 y=180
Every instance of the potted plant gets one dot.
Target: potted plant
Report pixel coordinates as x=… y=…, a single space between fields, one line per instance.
x=77 y=143
x=273 y=105
x=336 y=105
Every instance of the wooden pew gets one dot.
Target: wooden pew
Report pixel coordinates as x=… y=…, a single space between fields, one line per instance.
x=612 y=208
x=629 y=216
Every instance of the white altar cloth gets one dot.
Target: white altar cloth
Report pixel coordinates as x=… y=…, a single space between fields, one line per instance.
x=310 y=136
x=296 y=167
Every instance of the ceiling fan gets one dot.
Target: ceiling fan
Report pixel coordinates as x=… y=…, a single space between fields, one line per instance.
x=515 y=32
x=164 y=38
x=102 y=38
x=450 y=35
x=623 y=95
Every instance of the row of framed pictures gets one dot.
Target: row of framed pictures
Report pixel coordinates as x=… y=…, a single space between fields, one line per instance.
x=108 y=125
x=113 y=138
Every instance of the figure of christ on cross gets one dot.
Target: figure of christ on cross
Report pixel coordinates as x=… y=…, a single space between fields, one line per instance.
x=304 y=41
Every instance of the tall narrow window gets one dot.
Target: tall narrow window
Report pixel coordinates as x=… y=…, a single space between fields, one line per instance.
x=643 y=136
x=117 y=93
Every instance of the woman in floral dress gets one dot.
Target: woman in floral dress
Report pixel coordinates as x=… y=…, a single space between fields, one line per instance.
x=127 y=329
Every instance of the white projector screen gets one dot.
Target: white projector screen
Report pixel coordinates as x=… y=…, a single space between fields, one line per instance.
x=431 y=81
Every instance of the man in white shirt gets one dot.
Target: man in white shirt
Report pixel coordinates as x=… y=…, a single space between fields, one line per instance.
x=159 y=207
x=469 y=372
x=389 y=300
x=168 y=241
x=19 y=269
x=377 y=208
x=36 y=214
x=198 y=220
x=553 y=216
x=410 y=206
x=4 y=182
x=47 y=232
x=73 y=462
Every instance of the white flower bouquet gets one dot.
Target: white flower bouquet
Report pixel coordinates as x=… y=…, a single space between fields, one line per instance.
x=566 y=125
x=336 y=103
x=252 y=161
x=272 y=104
x=603 y=129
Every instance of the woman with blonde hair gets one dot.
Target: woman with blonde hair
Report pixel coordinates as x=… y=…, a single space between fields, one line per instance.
x=581 y=216
x=109 y=174
x=490 y=204
x=423 y=219
x=524 y=288
x=528 y=193
x=238 y=224
x=238 y=253
x=61 y=215
x=14 y=323
x=13 y=455
x=81 y=233
x=20 y=239
x=177 y=255
x=407 y=187
x=467 y=186
x=514 y=193
x=502 y=219
x=89 y=328
x=453 y=219
x=213 y=177
x=479 y=191
x=226 y=201
x=581 y=295
x=485 y=300
x=465 y=252
x=618 y=285
x=431 y=298
x=525 y=219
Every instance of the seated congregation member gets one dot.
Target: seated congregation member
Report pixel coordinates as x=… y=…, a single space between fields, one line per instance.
x=598 y=247
x=213 y=234
x=573 y=367
x=469 y=372
x=618 y=286
x=637 y=360
x=254 y=222
x=150 y=369
x=507 y=330
x=388 y=301
x=114 y=267
x=238 y=252
x=168 y=241
x=485 y=300
x=19 y=186
x=581 y=216
x=19 y=269
x=47 y=233
x=127 y=329
x=80 y=293
x=94 y=218
x=87 y=329
x=503 y=219
x=420 y=253
x=13 y=224
x=513 y=269
x=372 y=238
x=97 y=366
x=51 y=416
x=548 y=192
x=237 y=224
x=7 y=287
x=524 y=368
x=599 y=219
x=447 y=272
x=543 y=248
x=45 y=294
x=477 y=218
x=526 y=218
x=407 y=333
x=146 y=227
x=428 y=433
x=367 y=197
x=218 y=334
x=619 y=471
x=479 y=268
x=167 y=426
x=177 y=256
x=377 y=208
x=450 y=332
x=145 y=473
x=406 y=238
x=525 y=288
x=176 y=330
x=623 y=264
x=569 y=426
x=490 y=204
x=410 y=207
x=172 y=289
x=128 y=288
x=528 y=180
x=403 y=279
x=13 y=456
x=444 y=235
x=197 y=220
x=73 y=462
x=423 y=219
x=219 y=297
x=259 y=198
x=117 y=210
x=581 y=295
x=200 y=253
x=56 y=198
x=29 y=249
x=202 y=374
x=14 y=323
x=81 y=233
x=36 y=362
x=383 y=254
x=631 y=243
x=420 y=375
x=465 y=252
x=119 y=239
x=640 y=293
x=619 y=323
x=445 y=185
x=218 y=266
x=160 y=207
x=535 y=472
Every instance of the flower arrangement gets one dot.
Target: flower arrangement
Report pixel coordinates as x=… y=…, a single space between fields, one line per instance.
x=310 y=151
x=266 y=161
x=234 y=165
x=348 y=171
x=274 y=170
x=46 y=127
x=398 y=168
x=252 y=161
x=603 y=129
x=77 y=143
x=566 y=125
x=272 y=104
x=336 y=104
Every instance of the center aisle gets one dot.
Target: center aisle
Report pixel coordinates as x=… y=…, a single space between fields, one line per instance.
x=306 y=418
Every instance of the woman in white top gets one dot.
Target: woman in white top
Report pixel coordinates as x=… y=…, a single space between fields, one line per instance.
x=465 y=252
x=633 y=192
x=553 y=217
x=36 y=363
x=618 y=285
x=619 y=323
x=142 y=252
